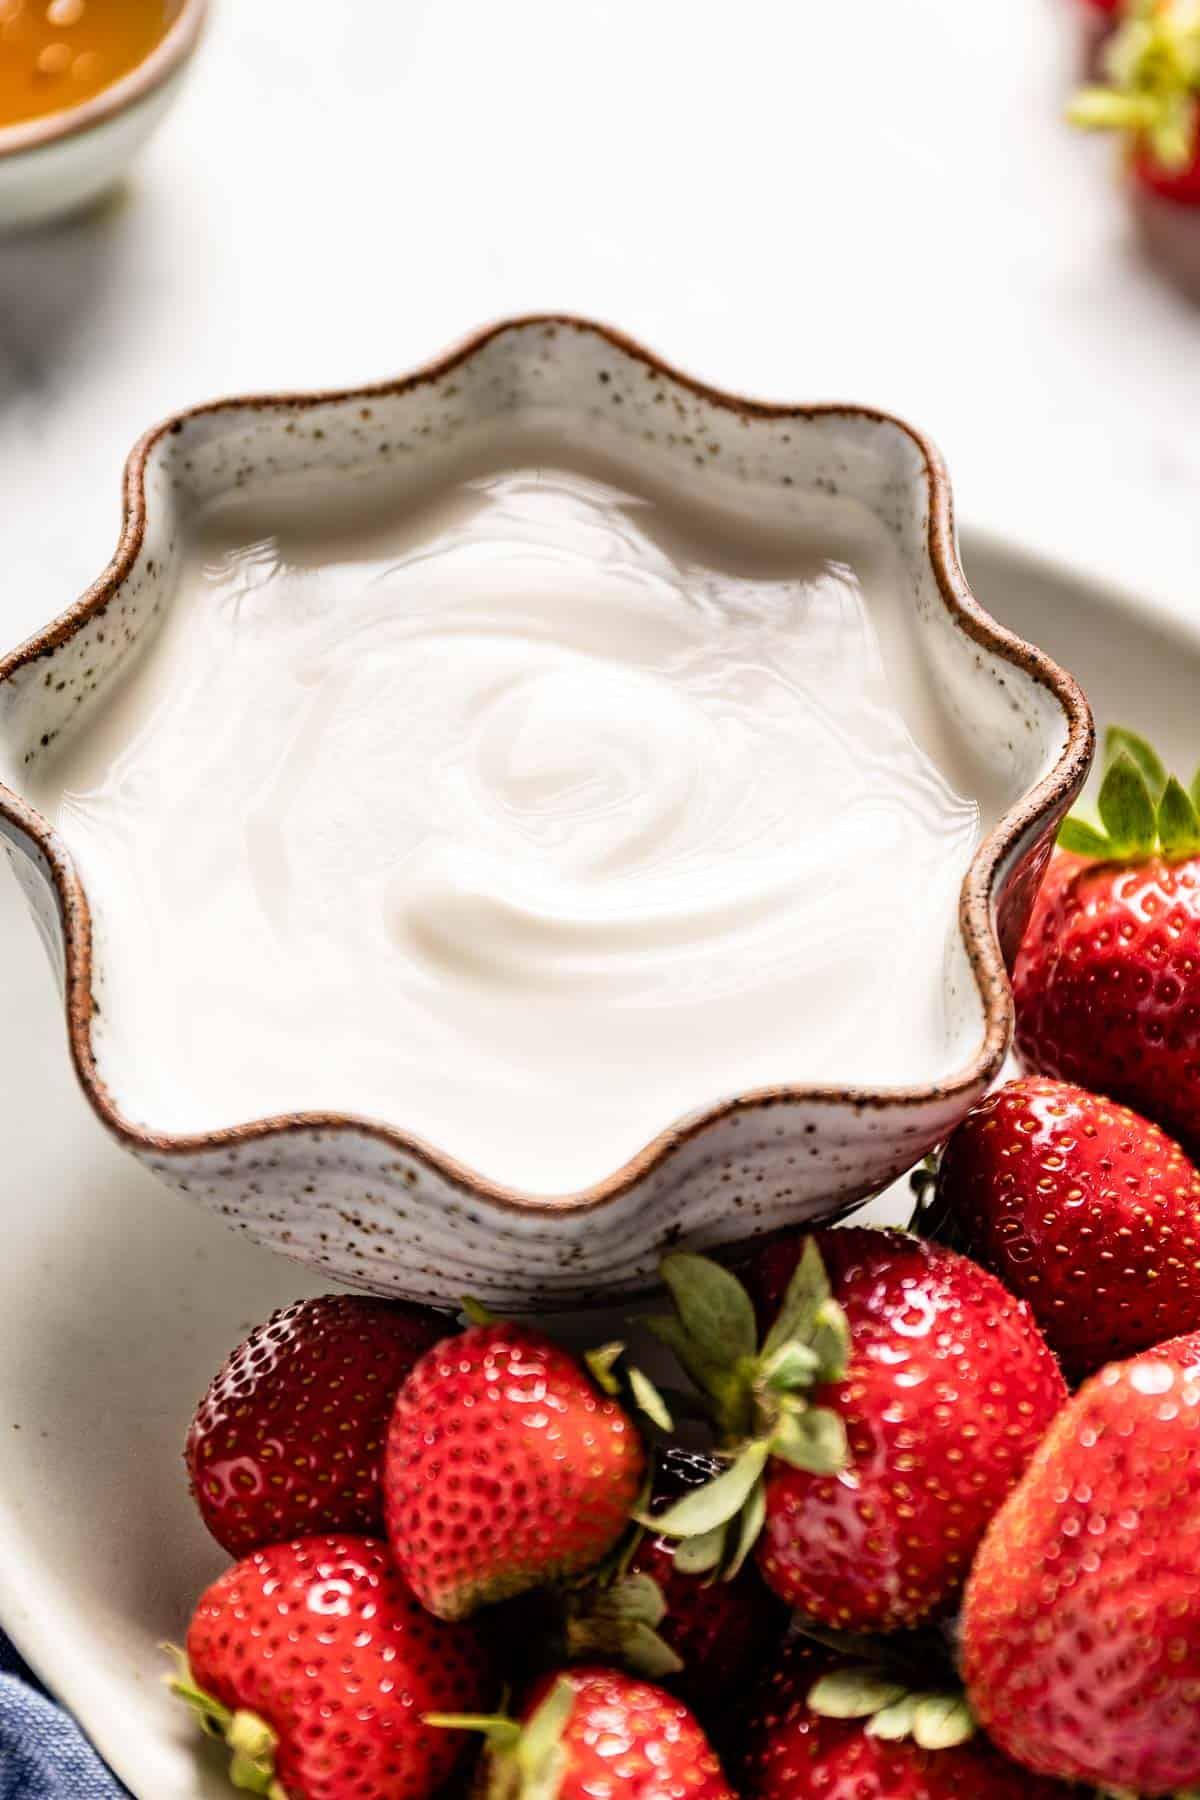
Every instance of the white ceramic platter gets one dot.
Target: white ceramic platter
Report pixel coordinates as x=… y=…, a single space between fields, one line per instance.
x=117 y=1299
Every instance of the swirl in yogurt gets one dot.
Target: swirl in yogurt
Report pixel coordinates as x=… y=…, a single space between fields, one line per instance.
x=529 y=825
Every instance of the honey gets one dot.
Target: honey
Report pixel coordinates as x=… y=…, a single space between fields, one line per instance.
x=56 y=54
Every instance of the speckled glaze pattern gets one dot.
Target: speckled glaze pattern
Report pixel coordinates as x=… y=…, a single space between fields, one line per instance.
x=363 y=1199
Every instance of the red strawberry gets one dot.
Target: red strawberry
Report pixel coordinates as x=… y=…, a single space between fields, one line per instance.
x=1151 y=93
x=598 y=1734
x=895 y=1400
x=289 y=1438
x=1107 y=982
x=317 y=1665
x=506 y=1468
x=797 y=1752
x=1152 y=98
x=1081 y=1625
x=1084 y=1209
x=1175 y=181
x=705 y=1640
x=1107 y=985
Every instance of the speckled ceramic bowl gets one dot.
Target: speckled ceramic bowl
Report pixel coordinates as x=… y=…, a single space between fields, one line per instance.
x=363 y=1198
x=58 y=163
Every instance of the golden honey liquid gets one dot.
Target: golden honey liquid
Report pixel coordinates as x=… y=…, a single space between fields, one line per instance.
x=56 y=54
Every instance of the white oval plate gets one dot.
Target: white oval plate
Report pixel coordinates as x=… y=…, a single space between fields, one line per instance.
x=117 y=1300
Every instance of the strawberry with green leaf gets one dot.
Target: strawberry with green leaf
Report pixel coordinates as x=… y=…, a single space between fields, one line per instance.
x=315 y=1663
x=704 y=1640
x=1107 y=981
x=1143 y=809
x=1151 y=96
x=289 y=1438
x=864 y=1732
x=871 y=1428
x=594 y=1734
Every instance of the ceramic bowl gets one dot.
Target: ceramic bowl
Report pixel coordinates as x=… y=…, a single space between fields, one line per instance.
x=363 y=1199
x=57 y=164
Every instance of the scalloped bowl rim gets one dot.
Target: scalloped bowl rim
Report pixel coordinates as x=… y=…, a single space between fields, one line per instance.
x=976 y=923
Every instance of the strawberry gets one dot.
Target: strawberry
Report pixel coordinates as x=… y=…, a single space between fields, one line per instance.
x=704 y=1640
x=506 y=1468
x=1178 y=180
x=1083 y=1208
x=1149 y=50
x=787 y=1679
x=846 y=1736
x=1107 y=982
x=1165 y=204
x=874 y=1430
x=1081 y=1623
x=288 y=1440
x=1151 y=95
x=593 y=1733
x=317 y=1664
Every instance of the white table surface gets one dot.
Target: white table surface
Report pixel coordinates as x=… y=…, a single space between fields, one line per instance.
x=803 y=200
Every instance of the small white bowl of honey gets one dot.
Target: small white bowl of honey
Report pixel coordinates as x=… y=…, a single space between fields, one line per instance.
x=83 y=83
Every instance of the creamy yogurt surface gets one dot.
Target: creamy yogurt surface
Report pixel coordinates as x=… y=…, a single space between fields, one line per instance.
x=528 y=818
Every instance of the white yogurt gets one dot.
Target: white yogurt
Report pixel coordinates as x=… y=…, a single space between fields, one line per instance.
x=528 y=823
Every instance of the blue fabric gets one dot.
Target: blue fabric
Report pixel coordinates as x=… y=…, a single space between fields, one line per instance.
x=43 y=1753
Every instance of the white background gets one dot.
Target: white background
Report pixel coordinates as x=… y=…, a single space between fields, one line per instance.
x=805 y=199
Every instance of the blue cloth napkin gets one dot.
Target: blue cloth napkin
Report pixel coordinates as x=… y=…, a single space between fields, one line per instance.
x=43 y=1753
